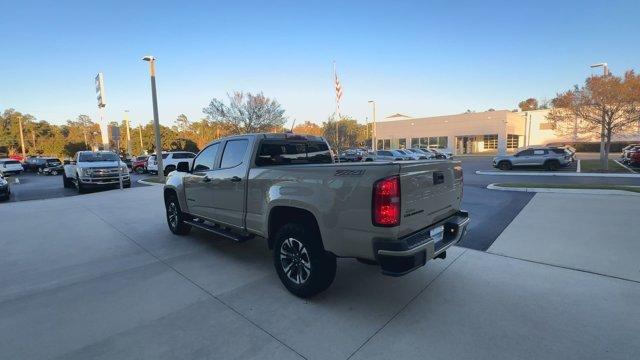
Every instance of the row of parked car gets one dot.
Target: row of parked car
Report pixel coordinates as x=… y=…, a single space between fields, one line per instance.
x=631 y=155
x=356 y=155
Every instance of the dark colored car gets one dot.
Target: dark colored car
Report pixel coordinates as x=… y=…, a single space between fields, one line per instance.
x=5 y=192
x=352 y=155
x=51 y=166
x=634 y=158
x=139 y=164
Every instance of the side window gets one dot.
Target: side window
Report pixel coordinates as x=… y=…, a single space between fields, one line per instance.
x=539 y=152
x=233 y=153
x=178 y=156
x=204 y=161
x=525 y=153
x=189 y=155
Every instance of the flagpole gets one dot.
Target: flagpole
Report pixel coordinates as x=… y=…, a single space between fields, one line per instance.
x=335 y=78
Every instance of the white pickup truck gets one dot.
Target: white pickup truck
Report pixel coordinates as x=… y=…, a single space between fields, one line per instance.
x=285 y=188
x=95 y=169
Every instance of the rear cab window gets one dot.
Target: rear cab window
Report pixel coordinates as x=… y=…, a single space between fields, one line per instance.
x=282 y=152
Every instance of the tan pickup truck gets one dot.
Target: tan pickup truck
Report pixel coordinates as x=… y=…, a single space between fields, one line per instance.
x=287 y=189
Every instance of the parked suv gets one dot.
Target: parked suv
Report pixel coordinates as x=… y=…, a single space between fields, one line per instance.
x=541 y=157
x=10 y=166
x=170 y=161
x=5 y=192
x=51 y=166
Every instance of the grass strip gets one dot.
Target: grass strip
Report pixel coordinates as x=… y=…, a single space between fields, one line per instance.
x=572 y=186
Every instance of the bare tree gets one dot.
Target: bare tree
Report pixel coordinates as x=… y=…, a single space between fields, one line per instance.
x=247 y=113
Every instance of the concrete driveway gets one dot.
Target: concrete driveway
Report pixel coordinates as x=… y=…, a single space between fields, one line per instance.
x=99 y=276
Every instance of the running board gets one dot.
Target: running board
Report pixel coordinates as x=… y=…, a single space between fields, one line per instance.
x=218 y=231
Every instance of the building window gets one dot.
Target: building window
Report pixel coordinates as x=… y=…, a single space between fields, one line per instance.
x=386 y=144
x=513 y=141
x=402 y=143
x=379 y=144
x=546 y=126
x=415 y=142
x=443 y=142
x=491 y=142
x=424 y=142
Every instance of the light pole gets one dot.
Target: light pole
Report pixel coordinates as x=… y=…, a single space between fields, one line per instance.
x=374 y=142
x=605 y=67
x=24 y=153
x=156 y=121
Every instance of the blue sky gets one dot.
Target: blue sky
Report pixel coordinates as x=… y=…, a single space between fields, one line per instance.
x=419 y=58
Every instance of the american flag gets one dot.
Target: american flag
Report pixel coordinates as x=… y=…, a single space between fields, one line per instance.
x=338 y=91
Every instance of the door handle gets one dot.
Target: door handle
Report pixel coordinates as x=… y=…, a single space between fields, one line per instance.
x=235 y=179
x=206 y=179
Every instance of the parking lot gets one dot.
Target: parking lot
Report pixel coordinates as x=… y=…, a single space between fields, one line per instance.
x=32 y=186
x=101 y=276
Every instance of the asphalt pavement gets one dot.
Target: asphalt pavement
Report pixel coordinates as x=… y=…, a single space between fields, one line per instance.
x=32 y=186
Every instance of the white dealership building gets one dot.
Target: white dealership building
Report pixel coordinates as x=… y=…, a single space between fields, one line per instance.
x=488 y=132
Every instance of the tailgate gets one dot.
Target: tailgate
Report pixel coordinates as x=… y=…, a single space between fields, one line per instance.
x=430 y=191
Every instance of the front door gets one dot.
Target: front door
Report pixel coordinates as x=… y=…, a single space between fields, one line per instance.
x=196 y=184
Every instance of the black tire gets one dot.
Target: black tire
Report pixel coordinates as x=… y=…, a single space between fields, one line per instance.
x=126 y=185
x=81 y=188
x=66 y=182
x=504 y=165
x=169 y=169
x=175 y=216
x=139 y=170
x=552 y=165
x=301 y=248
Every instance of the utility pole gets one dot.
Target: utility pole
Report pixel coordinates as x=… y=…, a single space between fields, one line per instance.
x=156 y=121
x=126 y=123
x=140 y=132
x=24 y=153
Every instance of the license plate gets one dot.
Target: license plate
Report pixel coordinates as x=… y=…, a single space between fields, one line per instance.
x=436 y=233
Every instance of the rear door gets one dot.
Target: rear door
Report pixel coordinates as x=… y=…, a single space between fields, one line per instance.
x=430 y=191
x=227 y=183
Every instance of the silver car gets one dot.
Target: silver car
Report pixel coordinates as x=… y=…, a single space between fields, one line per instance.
x=410 y=155
x=385 y=155
x=533 y=157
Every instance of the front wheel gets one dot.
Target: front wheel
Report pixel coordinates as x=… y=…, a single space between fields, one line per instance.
x=139 y=170
x=302 y=264
x=504 y=165
x=552 y=165
x=175 y=217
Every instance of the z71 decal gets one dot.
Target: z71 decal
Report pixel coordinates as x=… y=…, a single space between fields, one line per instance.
x=349 y=172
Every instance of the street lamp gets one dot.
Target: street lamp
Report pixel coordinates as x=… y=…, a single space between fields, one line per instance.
x=374 y=142
x=605 y=67
x=156 y=122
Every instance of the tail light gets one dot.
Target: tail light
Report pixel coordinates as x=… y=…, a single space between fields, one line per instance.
x=386 y=202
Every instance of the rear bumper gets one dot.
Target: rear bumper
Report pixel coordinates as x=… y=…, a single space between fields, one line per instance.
x=406 y=254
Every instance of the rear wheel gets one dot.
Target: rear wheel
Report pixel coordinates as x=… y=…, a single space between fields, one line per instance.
x=139 y=170
x=552 y=165
x=302 y=264
x=504 y=165
x=169 y=169
x=175 y=217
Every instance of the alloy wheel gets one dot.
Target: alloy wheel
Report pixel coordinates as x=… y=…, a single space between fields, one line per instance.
x=172 y=213
x=295 y=261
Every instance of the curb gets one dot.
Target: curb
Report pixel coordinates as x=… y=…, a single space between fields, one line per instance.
x=567 y=174
x=141 y=181
x=564 y=191
x=625 y=166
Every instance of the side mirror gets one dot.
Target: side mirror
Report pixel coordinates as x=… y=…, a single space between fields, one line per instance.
x=183 y=166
